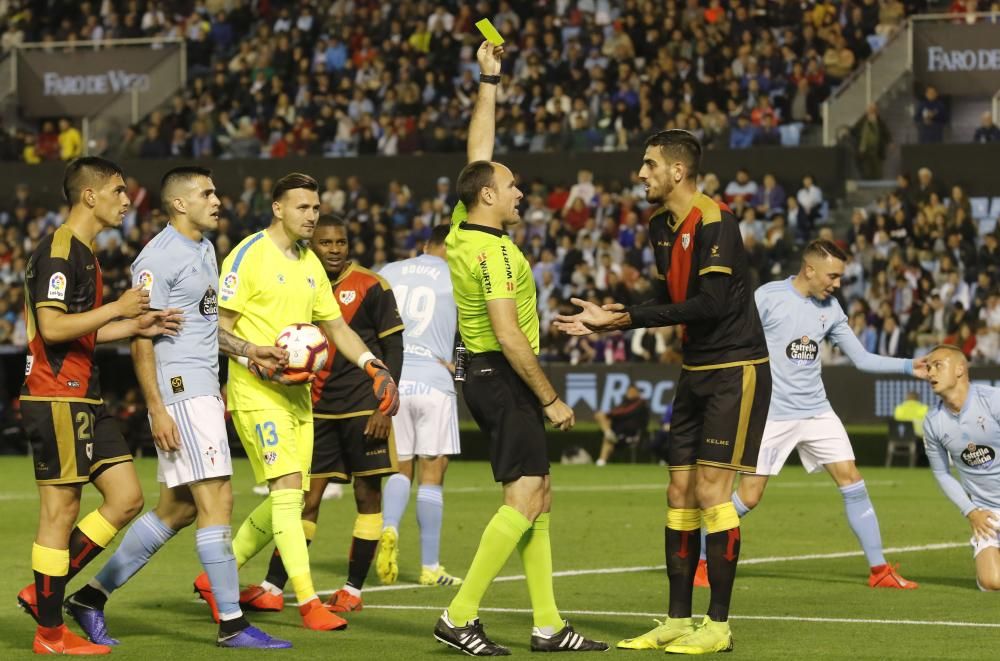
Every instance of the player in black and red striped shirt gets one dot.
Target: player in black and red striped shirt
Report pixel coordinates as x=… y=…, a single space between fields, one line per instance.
x=74 y=439
x=724 y=390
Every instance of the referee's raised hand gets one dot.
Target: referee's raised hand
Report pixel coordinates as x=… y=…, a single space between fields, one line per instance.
x=560 y=415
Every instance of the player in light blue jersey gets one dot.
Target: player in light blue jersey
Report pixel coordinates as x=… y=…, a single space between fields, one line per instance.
x=179 y=378
x=965 y=428
x=798 y=314
x=427 y=423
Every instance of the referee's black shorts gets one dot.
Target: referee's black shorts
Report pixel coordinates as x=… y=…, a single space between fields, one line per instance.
x=719 y=416
x=505 y=409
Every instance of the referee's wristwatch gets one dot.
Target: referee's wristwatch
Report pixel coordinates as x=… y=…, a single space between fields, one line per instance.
x=491 y=79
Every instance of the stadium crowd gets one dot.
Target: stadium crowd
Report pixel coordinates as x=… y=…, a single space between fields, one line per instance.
x=920 y=270
x=347 y=77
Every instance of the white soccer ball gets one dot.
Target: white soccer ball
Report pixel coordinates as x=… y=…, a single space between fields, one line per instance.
x=307 y=347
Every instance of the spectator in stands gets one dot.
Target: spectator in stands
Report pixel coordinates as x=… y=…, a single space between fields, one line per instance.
x=626 y=424
x=872 y=137
x=987 y=131
x=891 y=341
x=769 y=198
x=70 y=141
x=742 y=188
x=931 y=117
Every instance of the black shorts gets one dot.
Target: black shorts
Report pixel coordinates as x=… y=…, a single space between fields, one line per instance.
x=342 y=451
x=509 y=413
x=719 y=417
x=72 y=442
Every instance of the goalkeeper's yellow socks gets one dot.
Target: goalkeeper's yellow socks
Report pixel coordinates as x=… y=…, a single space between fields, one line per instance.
x=254 y=534
x=499 y=540
x=286 y=520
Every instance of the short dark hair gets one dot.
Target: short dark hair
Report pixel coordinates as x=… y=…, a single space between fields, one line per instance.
x=471 y=180
x=823 y=248
x=177 y=175
x=330 y=220
x=679 y=145
x=292 y=181
x=86 y=172
x=438 y=235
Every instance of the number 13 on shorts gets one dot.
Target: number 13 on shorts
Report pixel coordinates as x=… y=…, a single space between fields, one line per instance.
x=267 y=434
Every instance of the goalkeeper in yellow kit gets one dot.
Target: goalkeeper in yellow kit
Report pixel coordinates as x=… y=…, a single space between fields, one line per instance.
x=267 y=282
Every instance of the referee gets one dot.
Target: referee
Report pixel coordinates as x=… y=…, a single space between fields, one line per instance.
x=505 y=389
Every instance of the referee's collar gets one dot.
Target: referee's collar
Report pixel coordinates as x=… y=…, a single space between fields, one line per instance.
x=481 y=228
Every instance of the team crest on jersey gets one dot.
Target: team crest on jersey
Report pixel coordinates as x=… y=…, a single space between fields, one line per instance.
x=209 y=305
x=145 y=279
x=347 y=296
x=229 y=285
x=981 y=421
x=281 y=278
x=270 y=457
x=685 y=240
x=802 y=351
x=978 y=456
x=57 y=286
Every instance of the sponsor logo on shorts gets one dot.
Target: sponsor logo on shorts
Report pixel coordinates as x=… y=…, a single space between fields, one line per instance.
x=375 y=452
x=715 y=250
x=978 y=456
x=229 y=285
x=347 y=296
x=716 y=441
x=89 y=448
x=270 y=457
x=177 y=384
x=209 y=305
x=57 y=286
x=145 y=279
x=41 y=466
x=210 y=453
x=802 y=351
x=73 y=384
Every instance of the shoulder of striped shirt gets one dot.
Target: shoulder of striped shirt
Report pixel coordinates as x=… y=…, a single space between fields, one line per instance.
x=370 y=277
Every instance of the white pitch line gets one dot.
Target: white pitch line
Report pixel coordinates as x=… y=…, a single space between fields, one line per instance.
x=766 y=618
x=743 y=562
x=662 y=486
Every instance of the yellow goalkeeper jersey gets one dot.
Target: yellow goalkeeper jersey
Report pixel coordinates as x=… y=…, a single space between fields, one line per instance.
x=271 y=291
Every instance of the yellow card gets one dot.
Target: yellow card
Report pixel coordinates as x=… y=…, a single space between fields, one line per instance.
x=489 y=32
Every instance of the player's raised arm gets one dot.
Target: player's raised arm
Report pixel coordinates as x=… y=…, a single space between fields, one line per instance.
x=482 y=127
x=848 y=342
x=350 y=345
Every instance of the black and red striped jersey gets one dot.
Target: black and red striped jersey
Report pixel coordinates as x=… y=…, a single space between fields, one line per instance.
x=369 y=308
x=62 y=273
x=708 y=288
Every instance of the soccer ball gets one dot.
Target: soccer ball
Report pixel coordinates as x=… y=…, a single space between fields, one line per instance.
x=307 y=347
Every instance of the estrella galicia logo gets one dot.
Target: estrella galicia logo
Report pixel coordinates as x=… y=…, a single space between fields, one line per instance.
x=209 y=306
x=802 y=351
x=978 y=456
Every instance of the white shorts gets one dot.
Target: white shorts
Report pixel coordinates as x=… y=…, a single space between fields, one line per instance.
x=204 y=453
x=979 y=544
x=427 y=422
x=820 y=440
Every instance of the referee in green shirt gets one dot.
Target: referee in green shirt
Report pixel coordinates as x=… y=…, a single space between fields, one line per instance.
x=505 y=388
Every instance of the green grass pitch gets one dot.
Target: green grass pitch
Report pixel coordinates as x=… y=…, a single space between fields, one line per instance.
x=607 y=530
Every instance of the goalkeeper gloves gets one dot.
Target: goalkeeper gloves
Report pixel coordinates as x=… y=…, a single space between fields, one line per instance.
x=385 y=388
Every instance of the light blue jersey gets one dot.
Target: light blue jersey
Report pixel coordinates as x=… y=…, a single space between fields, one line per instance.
x=794 y=326
x=971 y=438
x=422 y=287
x=181 y=273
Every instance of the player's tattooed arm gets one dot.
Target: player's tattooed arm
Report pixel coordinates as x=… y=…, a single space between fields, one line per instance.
x=231 y=345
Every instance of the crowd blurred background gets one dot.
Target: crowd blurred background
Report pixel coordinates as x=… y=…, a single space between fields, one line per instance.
x=337 y=78
x=346 y=77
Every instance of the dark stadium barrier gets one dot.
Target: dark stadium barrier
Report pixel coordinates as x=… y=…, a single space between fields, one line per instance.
x=858 y=398
x=967 y=165
x=420 y=172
